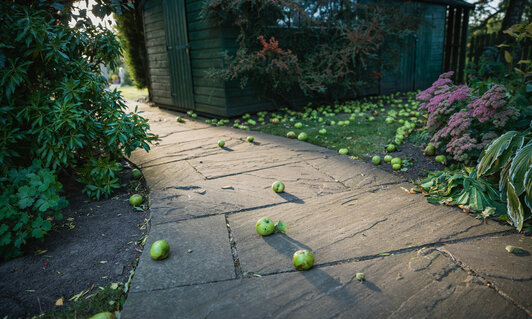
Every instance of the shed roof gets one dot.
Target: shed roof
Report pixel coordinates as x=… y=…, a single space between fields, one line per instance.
x=454 y=3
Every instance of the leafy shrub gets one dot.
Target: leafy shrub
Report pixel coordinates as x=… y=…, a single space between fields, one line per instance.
x=130 y=29
x=461 y=187
x=509 y=158
x=318 y=49
x=54 y=103
x=54 y=110
x=29 y=197
x=462 y=122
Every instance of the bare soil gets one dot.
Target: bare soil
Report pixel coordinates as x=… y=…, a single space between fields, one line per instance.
x=97 y=243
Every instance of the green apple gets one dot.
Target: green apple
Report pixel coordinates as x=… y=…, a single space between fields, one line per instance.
x=376 y=160
x=440 y=159
x=180 y=119
x=236 y=125
x=298 y=125
x=396 y=166
x=303 y=259
x=265 y=226
x=291 y=134
x=322 y=131
x=160 y=250
x=274 y=121
x=396 y=160
x=371 y=119
x=390 y=148
x=252 y=122
x=104 y=315
x=387 y=158
x=343 y=151
x=430 y=150
x=206 y=121
x=281 y=227
x=302 y=136
x=360 y=276
x=278 y=187
x=389 y=120
x=221 y=143
x=194 y=115
x=135 y=200
x=250 y=139
x=136 y=174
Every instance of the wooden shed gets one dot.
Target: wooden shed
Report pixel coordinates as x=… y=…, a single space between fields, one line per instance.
x=182 y=47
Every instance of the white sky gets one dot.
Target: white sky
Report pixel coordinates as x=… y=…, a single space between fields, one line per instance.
x=108 y=22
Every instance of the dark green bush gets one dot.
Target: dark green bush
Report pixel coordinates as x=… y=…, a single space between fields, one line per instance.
x=54 y=108
x=29 y=199
x=131 y=32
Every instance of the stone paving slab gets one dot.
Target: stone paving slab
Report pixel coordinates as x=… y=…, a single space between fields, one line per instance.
x=242 y=192
x=419 y=284
x=210 y=259
x=184 y=145
x=350 y=225
x=488 y=258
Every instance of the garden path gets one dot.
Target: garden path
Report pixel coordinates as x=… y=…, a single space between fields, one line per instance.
x=420 y=260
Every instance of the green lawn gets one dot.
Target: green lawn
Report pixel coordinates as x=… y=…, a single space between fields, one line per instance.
x=131 y=92
x=367 y=133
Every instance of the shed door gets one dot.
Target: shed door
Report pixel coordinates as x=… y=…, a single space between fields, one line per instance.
x=178 y=53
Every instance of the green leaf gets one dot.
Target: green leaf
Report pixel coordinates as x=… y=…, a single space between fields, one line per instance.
x=528 y=189
x=463 y=198
x=496 y=155
x=520 y=165
x=475 y=200
x=37 y=233
x=515 y=209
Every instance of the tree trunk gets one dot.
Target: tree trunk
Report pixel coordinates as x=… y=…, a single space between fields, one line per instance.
x=513 y=13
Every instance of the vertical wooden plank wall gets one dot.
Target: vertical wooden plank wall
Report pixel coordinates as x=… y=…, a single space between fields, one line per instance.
x=427 y=60
x=159 y=69
x=205 y=53
x=456 y=41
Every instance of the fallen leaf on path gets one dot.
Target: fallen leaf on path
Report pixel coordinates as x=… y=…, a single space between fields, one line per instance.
x=60 y=301
x=228 y=187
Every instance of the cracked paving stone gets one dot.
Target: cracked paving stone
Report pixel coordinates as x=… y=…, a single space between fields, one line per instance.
x=210 y=260
x=487 y=257
x=350 y=225
x=333 y=292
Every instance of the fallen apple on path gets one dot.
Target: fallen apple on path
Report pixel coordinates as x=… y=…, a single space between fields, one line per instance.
x=376 y=160
x=160 y=250
x=343 y=151
x=303 y=259
x=221 y=143
x=278 y=187
x=250 y=139
x=265 y=226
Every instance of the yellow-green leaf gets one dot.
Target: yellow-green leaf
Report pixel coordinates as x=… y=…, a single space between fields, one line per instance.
x=508 y=57
x=520 y=164
x=515 y=209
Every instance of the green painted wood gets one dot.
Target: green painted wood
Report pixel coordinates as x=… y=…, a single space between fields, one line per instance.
x=177 y=45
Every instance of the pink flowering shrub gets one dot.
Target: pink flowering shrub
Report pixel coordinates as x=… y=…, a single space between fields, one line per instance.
x=462 y=123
